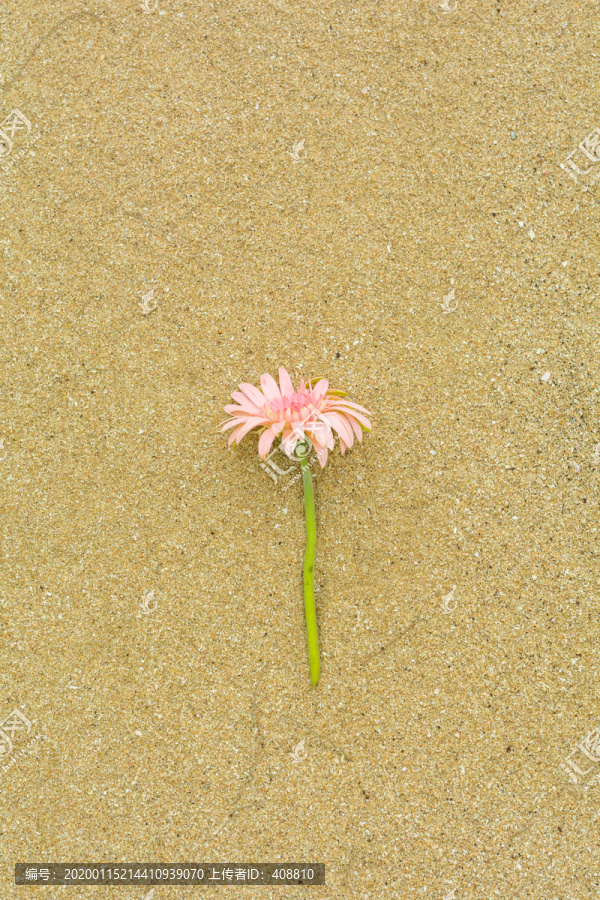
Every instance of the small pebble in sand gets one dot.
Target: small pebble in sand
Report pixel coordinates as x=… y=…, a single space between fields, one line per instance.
x=546 y=377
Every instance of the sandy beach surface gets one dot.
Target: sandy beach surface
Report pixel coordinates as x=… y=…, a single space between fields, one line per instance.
x=402 y=198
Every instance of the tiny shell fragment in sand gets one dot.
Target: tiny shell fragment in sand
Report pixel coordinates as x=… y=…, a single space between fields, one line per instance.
x=546 y=377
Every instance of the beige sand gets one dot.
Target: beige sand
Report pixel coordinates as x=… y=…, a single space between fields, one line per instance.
x=392 y=252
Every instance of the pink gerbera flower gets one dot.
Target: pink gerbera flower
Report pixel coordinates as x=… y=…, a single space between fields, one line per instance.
x=311 y=414
x=312 y=411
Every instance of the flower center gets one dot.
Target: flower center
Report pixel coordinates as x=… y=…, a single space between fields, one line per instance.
x=297 y=408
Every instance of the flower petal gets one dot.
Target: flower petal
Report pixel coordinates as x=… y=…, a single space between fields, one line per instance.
x=267 y=437
x=290 y=439
x=338 y=422
x=253 y=394
x=319 y=390
x=244 y=417
x=321 y=429
x=285 y=383
x=270 y=387
x=347 y=422
x=243 y=429
x=355 y=406
x=350 y=412
x=356 y=427
x=246 y=401
x=322 y=455
x=234 y=434
x=236 y=420
x=249 y=410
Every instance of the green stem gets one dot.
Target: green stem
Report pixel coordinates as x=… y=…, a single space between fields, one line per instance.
x=309 y=568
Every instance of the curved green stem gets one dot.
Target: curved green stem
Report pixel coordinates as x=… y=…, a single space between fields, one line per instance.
x=309 y=568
